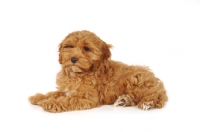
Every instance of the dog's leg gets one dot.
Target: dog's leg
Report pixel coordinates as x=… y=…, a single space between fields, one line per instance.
x=155 y=100
x=82 y=100
x=38 y=98
x=124 y=100
x=145 y=89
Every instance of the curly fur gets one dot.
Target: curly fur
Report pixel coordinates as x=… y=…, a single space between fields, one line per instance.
x=89 y=78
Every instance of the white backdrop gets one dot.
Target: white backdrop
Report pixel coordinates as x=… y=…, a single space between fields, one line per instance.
x=162 y=34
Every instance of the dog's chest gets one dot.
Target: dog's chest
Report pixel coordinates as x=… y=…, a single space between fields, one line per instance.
x=75 y=82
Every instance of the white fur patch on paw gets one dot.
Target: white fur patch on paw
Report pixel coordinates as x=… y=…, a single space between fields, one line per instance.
x=147 y=105
x=124 y=100
x=120 y=103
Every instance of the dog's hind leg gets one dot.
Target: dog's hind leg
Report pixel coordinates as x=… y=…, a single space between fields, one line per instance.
x=124 y=100
x=154 y=100
x=145 y=89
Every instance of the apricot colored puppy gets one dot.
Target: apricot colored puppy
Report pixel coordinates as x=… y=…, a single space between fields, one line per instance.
x=89 y=78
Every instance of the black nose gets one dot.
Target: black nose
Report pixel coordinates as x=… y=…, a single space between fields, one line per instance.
x=74 y=60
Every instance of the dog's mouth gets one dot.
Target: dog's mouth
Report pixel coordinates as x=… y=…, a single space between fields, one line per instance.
x=81 y=66
x=76 y=69
x=72 y=70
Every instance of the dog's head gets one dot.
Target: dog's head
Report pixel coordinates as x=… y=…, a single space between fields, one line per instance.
x=83 y=51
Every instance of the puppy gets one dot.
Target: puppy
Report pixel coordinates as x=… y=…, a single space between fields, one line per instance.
x=89 y=78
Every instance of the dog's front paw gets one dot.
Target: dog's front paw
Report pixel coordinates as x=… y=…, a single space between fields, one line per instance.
x=36 y=99
x=52 y=105
x=124 y=100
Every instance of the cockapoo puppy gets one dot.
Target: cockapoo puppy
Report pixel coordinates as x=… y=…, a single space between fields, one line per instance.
x=89 y=78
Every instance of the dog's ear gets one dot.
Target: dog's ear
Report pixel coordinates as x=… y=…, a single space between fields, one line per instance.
x=60 y=54
x=106 y=51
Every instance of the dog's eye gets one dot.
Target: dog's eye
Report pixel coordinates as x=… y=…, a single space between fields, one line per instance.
x=68 y=46
x=86 y=48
